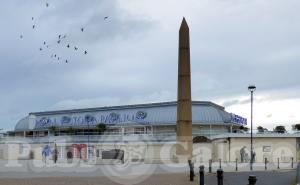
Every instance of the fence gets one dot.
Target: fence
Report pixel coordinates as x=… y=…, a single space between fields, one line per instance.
x=220 y=177
x=220 y=173
x=239 y=166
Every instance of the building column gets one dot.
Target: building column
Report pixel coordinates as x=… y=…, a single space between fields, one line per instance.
x=61 y=152
x=122 y=131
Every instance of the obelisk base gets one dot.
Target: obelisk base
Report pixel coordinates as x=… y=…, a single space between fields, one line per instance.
x=184 y=150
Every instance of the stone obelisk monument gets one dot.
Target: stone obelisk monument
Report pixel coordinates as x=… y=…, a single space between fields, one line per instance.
x=184 y=148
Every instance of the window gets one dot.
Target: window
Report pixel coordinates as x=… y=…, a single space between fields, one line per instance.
x=139 y=130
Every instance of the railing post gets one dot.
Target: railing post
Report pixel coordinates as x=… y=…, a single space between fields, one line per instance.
x=292 y=162
x=220 y=176
x=278 y=163
x=201 y=175
x=252 y=179
x=266 y=163
x=209 y=165
x=192 y=173
x=220 y=164
x=236 y=164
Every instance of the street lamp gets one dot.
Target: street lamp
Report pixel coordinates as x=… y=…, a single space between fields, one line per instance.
x=88 y=145
x=251 y=88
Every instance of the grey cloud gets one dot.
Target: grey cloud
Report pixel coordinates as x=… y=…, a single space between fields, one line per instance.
x=133 y=57
x=31 y=81
x=230 y=103
x=237 y=102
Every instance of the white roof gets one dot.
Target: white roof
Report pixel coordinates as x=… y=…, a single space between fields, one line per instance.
x=147 y=114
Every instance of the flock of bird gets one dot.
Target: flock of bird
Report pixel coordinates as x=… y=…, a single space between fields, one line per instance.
x=60 y=39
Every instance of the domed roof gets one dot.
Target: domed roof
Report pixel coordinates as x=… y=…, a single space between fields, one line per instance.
x=26 y=123
x=164 y=113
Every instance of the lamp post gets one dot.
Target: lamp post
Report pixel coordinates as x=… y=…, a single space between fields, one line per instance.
x=251 y=88
x=88 y=145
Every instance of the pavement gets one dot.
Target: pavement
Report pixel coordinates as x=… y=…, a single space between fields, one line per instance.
x=231 y=178
x=37 y=172
x=281 y=177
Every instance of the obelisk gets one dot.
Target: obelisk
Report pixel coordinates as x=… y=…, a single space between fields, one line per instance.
x=184 y=147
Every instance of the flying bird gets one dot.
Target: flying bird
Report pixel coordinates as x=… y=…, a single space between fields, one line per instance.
x=105 y=17
x=47 y=4
x=55 y=56
x=68 y=46
x=41 y=49
x=21 y=36
x=59 y=36
x=82 y=29
x=44 y=42
x=75 y=48
x=85 y=52
x=58 y=42
x=66 y=61
x=32 y=18
x=33 y=26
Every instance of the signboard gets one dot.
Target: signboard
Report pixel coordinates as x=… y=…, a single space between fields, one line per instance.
x=113 y=154
x=91 y=119
x=267 y=148
x=238 y=119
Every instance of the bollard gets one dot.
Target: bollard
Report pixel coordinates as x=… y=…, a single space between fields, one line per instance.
x=220 y=164
x=252 y=179
x=220 y=176
x=298 y=173
x=201 y=175
x=292 y=162
x=209 y=165
x=278 y=163
x=192 y=173
x=236 y=164
x=266 y=163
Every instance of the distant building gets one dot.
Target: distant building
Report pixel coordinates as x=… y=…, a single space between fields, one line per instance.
x=146 y=119
x=145 y=126
x=143 y=132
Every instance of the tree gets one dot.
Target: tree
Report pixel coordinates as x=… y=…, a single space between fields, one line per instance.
x=260 y=129
x=280 y=129
x=53 y=129
x=244 y=128
x=296 y=127
x=101 y=127
x=71 y=130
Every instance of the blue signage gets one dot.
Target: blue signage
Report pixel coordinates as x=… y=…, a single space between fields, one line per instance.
x=65 y=120
x=141 y=115
x=89 y=119
x=44 y=121
x=238 y=119
x=111 y=118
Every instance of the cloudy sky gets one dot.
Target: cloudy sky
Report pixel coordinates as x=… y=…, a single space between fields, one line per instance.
x=132 y=56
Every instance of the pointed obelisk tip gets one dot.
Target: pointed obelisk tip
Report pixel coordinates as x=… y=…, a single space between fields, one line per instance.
x=184 y=23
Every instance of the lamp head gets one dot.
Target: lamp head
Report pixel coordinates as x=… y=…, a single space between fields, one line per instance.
x=251 y=88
